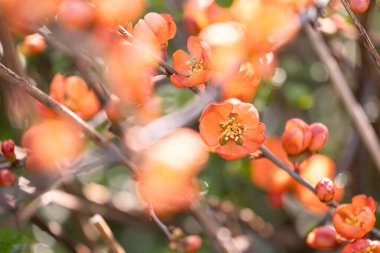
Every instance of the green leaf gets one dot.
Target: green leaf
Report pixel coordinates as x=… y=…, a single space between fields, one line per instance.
x=11 y=241
x=224 y=3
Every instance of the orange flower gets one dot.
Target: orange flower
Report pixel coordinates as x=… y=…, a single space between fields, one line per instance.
x=322 y=238
x=193 y=69
x=242 y=85
x=296 y=137
x=33 y=44
x=355 y=220
x=314 y=169
x=168 y=169
x=75 y=14
x=362 y=246
x=232 y=127
x=155 y=28
x=267 y=175
x=50 y=145
x=319 y=133
x=73 y=92
x=117 y=12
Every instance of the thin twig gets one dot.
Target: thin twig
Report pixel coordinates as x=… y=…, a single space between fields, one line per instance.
x=160 y=224
x=14 y=79
x=106 y=233
x=366 y=39
x=354 y=109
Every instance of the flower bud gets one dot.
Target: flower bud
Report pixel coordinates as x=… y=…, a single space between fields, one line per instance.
x=8 y=150
x=114 y=109
x=7 y=177
x=322 y=238
x=296 y=137
x=192 y=243
x=319 y=133
x=33 y=44
x=325 y=190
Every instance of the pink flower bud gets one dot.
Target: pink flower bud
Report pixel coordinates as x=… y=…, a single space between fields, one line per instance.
x=296 y=137
x=7 y=177
x=319 y=133
x=192 y=243
x=8 y=150
x=322 y=238
x=325 y=190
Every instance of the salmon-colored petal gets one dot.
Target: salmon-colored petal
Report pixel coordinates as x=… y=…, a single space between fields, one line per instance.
x=231 y=151
x=171 y=25
x=142 y=32
x=248 y=114
x=158 y=25
x=198 y=78
x=210 y=119
x=56 y=87
x=362 y=200
x=195 y=47
x=182 y=62
x=179 y=81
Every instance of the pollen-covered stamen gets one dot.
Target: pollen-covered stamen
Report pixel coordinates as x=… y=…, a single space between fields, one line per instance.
x=369 y=249
x=352 y=221
x=196 y=65
x=232 y=130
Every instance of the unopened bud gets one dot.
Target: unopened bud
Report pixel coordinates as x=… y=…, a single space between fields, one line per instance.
x=192 y=243
x=8 y=150
x=322 y=238
x=325 y=190
x=114 y=109
x=296 y=137
x=7 y=177
x=319 y=133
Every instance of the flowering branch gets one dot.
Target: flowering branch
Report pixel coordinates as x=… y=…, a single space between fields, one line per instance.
x=16 y=80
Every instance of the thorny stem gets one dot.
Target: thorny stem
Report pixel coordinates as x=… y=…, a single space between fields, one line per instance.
x=366 y=39
x=14 y=79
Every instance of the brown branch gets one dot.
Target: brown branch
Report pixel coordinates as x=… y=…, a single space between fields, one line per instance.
x=355 y=111
x=211 y=227
x=364 y=35
x=60 y=238
x=106 y=233
x=16 y=80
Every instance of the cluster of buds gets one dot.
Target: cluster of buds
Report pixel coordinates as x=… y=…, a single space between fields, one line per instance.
x=352 y=222
x=299 y=137
x=7 y=177
x=186 y=244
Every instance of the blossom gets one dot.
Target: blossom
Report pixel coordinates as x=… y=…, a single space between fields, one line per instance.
x=319 y=133
x=356 y=219
x=296 y=137
x=362 y=246
x=73 y=92
x=194 y=68
x=232 y=128
x=322 y=238
x=266 y=175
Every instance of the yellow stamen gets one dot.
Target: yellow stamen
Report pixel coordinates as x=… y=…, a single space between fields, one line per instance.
x=232 y=130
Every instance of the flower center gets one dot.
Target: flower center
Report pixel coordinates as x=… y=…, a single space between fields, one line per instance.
x=367 y=250
x=232 y=130
x=352 y=221
x=196 y=65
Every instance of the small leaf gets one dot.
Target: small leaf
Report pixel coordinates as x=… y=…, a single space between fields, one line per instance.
x=224 y=3
x=11 y=241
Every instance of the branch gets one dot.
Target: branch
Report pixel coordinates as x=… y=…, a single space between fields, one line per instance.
x=106 y=233
x=364 y=35
x=14 y=79
x=355 y=111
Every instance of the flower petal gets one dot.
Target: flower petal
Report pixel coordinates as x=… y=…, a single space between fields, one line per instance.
x=181 y=62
